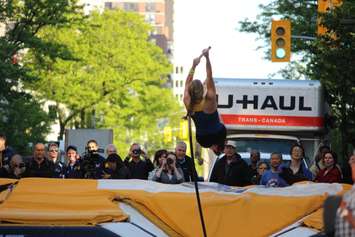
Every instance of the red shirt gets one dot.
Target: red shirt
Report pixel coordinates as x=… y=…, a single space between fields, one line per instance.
x=329 y=176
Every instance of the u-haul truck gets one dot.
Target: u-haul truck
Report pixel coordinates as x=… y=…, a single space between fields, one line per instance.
x=271 y=115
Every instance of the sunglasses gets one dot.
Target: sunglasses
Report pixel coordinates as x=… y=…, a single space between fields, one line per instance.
x=21 y=165
x=53 y=150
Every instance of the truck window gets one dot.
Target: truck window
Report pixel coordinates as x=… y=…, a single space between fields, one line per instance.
x=265 y=145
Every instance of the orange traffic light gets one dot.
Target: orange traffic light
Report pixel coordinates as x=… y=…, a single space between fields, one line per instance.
x=280 y=41
x=323 y=7
x=326 y=5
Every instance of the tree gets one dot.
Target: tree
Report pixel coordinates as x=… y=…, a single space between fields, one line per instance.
x=117 y=77
x=22 y=21
x=23 y=121
x=327 y=58
x=329 y=62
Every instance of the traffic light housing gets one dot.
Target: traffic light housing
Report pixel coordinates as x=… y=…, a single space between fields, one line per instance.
x=326 y=5
x=323 y=7
x=184 y=129
x=168 y=134
x=280 y=41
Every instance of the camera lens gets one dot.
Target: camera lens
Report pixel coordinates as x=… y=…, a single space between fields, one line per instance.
x=136 y=152
x=169 y=161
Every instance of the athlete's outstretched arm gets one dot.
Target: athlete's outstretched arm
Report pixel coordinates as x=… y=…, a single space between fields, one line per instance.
x=211 y=89
x=188 y=81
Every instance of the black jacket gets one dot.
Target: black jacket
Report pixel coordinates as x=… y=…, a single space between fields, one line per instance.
x=140 y=169
x=44 y=170
x=237 y=173
x=73 y=171
x=187 y=167
x=120 y=173
x=58 y=169
x=5 y=157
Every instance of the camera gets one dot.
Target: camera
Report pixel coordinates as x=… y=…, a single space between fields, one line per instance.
x=89 y=164
x=169 y=161
x=136 y=152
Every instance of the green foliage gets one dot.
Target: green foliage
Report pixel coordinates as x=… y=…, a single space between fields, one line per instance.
x=330 y=60
x=117 y=74
x=326 y=58
x=23 y=119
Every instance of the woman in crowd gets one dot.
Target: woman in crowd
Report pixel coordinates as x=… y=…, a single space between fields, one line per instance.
x=166 y=172
x=296 y=171
x=347 y=170
x=330 y=173
x=158 y=157
x=318 y=160
x=261 y=167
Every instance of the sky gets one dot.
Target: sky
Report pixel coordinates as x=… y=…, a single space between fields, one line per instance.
x=203 y=23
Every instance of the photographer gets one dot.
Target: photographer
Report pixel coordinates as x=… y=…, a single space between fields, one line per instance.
x=92 y=164
x=17 y=167
x=167 y=172
x=115 y=168
x=138 y=168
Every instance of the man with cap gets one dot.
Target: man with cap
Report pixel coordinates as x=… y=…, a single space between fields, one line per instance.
x=231 y=169
x=72 y=170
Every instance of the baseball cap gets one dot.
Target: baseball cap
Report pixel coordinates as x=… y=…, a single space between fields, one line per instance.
x=71 y=147
x=231 y=143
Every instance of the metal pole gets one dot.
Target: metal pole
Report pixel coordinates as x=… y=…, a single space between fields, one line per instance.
x=194 y=175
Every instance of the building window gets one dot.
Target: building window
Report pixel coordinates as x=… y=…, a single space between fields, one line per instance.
x=130 y=6
x=181 y=83
x=176 y=84
x=150 y=18
x=177 y=97
x=180 y=96
x=150 y=7
x=176 y=70
x=181 y=70
x=108 y=5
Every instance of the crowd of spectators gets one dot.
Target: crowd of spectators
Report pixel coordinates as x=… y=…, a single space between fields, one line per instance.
x=231 y=169
x=171 y=167
x=168 y=167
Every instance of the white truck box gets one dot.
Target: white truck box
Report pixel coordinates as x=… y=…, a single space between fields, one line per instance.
x=271 y=115
x=270 y=105
x=79 y=138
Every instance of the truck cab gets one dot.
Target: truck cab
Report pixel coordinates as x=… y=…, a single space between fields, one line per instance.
x=265 y=143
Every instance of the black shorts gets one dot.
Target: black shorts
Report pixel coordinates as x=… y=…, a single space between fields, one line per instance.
x=217 y=138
